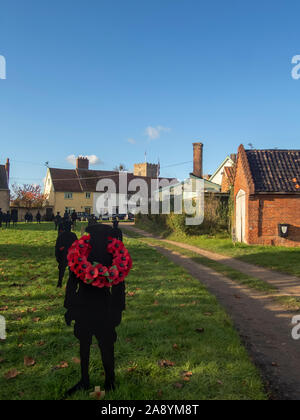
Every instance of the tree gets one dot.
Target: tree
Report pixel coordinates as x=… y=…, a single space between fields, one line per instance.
x=29 y=196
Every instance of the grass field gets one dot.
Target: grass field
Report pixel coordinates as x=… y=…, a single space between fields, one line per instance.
x=286 y=260
x=166 y=312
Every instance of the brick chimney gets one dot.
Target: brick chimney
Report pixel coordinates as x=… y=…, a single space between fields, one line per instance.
x=198 y=160
x=233 y=157
x=7 y=167
x=82 y=163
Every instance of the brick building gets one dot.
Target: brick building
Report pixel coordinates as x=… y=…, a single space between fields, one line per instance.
x=267 y=194
x=4 y=187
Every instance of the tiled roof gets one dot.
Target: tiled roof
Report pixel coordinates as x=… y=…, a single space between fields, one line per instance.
x=85 y=180
x=229 y=170
x=276 y=171
x=3 y=178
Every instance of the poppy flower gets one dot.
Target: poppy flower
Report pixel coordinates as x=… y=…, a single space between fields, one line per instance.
x=91 y=274
x=113 y=273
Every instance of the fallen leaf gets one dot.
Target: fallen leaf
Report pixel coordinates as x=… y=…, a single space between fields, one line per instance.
x=187 y=373
x=131 y=369
x=155 y=302
x=4 y=308
x=12 y=374
x=40 y=343
x=165 y=363
x=76 y=360
x=178 y=385
x=131 y=294
x=62 y=365
x=175 y=346
x=29 y=361
x=199 y=330
x=36 y=319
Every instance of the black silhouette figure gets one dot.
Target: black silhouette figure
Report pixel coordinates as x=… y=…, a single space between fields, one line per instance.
x=38 y=217
x=1 y=217
x=96 y=311
x=57 y=220
x=64 y=241
x=7 y=219
x=74 y=218
x=117 y=231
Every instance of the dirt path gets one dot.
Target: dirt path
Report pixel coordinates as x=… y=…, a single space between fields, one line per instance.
x=286 y=284
x=264 y=326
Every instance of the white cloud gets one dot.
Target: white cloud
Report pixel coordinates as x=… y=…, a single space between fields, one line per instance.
x=155 y=132
x=93 y=159
x=131 y=141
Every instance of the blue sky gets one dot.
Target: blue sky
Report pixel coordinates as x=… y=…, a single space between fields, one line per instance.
x=117 y=77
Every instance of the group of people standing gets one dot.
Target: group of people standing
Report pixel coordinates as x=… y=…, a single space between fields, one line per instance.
x=67 y=217
x=6 y=219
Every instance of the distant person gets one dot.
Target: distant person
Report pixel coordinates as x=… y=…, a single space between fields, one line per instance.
x=92 y=220
x=74 y=218
x=30 y=217
x=1 y=217
x=38 y=217
x=117 y=231
x=57 y=220
x=64 y=241
x=7 y=219
x=14 y=218
x=66 y=215
x=27 y=217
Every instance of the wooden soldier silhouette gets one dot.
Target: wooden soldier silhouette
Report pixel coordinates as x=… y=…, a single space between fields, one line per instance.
x=96 y=311
x=63 y=243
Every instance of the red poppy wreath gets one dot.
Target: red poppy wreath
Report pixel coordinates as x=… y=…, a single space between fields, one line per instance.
x=99 y=275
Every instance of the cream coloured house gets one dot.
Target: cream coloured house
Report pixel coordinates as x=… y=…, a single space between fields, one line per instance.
x=75 y=189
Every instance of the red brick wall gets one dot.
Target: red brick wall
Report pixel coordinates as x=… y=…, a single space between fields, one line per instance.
x=225 y=187
x=241 y=183
x=266 y=212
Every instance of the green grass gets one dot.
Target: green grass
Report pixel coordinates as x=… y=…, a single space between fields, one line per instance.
x=286 y=260
x=167 y=307
x=288 y=302
x=227 y=271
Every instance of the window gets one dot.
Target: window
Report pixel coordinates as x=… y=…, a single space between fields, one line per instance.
x=88 y=195
x=68 y=195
